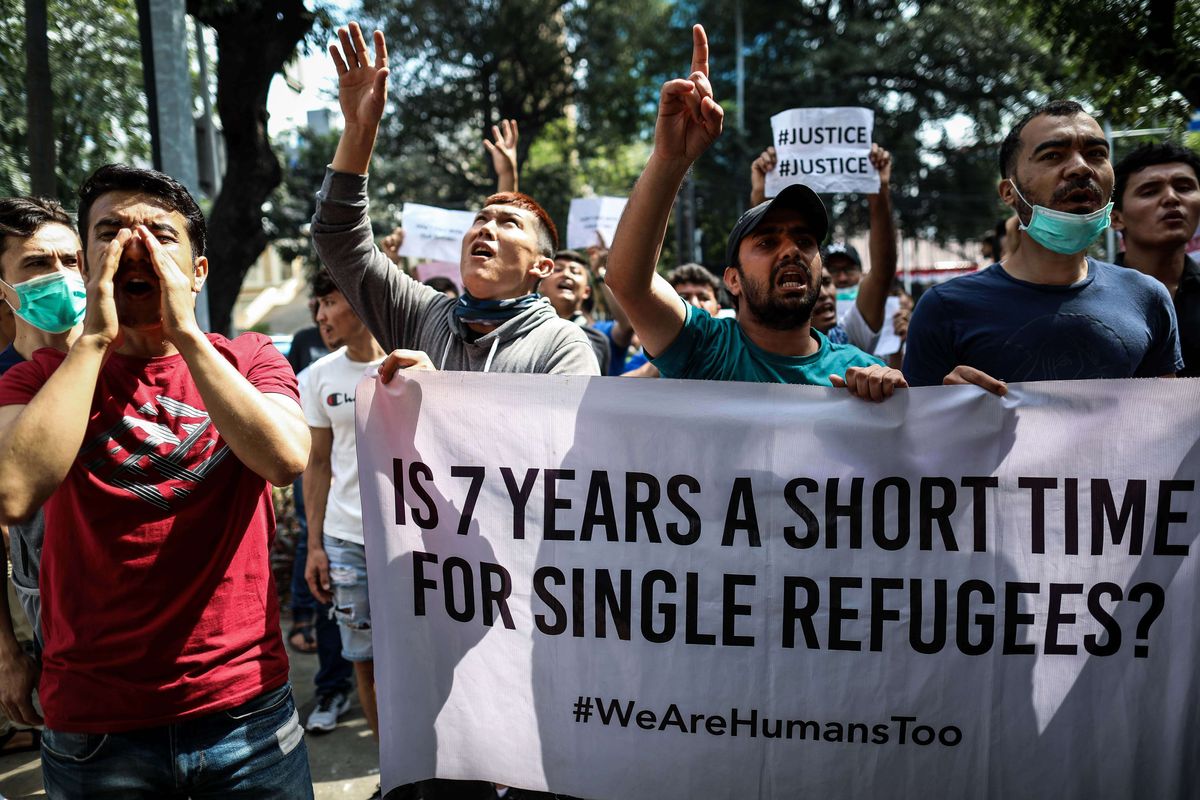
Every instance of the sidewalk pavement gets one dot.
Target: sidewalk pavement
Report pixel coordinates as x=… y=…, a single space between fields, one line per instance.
x=344 y=763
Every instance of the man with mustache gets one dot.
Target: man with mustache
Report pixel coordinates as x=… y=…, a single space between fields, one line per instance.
x=773 y=268
x=1048 y=311
x=1157 y=199
x=152 y=447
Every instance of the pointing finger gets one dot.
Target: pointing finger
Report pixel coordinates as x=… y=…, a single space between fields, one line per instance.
x=699 y=49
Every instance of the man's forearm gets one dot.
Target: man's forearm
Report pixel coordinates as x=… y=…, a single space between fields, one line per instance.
x=318 y=477
x=639 y=237
x=39 y=446
x=265 y=435
x=354 y=149
x=873 y=291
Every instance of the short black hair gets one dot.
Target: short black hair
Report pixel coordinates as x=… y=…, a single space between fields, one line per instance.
x=322 y=283
x=20 y=217
x=572 y=255
x=694 y=273
x=1150 y=155
x=170 y=193
x=1012 y=142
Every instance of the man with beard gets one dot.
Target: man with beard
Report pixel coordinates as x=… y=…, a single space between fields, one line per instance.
x=1157 y=199
x=1047 y=312
x=773 y=268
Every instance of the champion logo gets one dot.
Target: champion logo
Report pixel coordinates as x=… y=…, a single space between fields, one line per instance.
x=159 y=456
x=334 y=399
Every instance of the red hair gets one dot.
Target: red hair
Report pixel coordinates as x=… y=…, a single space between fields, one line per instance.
x=527 y=203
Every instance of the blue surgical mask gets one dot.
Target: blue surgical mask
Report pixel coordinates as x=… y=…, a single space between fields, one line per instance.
x=1062 y=231
x=53 y=303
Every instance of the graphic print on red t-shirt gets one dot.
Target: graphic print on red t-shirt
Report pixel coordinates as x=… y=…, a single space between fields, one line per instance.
x=148 y=459
x=158 y=603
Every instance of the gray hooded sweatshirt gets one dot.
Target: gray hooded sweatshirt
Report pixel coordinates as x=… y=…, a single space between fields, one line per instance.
x=403 y=313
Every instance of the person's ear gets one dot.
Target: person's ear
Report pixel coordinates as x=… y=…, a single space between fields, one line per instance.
x=199 y=274
x=1116 y=220
x=1007 y=193
x=733 y=281
x=541 y=268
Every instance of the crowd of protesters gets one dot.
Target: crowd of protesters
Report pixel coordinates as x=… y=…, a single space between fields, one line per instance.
x=137 y=452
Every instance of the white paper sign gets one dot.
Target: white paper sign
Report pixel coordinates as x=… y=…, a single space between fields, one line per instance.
x=947 y=594
x=590 y=216
x=827 y=149
x=436 y=233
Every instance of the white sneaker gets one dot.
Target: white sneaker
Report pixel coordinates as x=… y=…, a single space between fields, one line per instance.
x=324 y=717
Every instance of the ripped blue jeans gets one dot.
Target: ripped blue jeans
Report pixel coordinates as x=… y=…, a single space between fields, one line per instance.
x=351 y=606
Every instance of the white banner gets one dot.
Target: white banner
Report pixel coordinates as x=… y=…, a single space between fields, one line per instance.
x=675 y=589
x=591 y=218
x=828 y=149
x=435 y=233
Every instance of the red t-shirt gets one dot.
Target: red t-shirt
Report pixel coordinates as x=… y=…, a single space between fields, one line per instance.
x=158 y=602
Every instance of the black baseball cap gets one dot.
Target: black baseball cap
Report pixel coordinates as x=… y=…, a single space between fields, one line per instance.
x=797 y=196
x=841 y=249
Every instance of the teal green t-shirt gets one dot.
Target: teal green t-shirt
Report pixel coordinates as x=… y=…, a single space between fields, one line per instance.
x=716 y=349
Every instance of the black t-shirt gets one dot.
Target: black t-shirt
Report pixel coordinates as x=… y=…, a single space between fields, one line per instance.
x=1187 y=311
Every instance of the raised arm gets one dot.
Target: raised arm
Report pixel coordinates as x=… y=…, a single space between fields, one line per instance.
x=876 y=285
x=39 y=440
x=266 y=432
x=390 y=302
x=689 y=120
x=758 y=176
x=362 y=94
x=503 y=150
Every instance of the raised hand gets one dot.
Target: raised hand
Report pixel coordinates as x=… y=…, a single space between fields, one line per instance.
x=177 y=290
x=882 y=160
x=503 y=150
x=100 y=321
x=391 y=245
x=362 y=81
x=689 y=119
x=758 y=176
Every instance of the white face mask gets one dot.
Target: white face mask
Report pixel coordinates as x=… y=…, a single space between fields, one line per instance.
x=1062 y=231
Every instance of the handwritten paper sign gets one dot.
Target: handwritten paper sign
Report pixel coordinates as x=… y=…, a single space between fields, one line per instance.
x=592 y=219
x=437 y=233
x=827 y=149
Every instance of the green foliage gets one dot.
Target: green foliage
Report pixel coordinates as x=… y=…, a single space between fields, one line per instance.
x=290 y=209
x=99 y=108
x=1136 y=59
x=460 y=67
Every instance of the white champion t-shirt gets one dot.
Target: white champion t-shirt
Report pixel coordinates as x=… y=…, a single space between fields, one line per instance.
x=327 y=395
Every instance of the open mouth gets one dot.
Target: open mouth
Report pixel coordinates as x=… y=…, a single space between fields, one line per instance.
x=482 y=249
x=137 y=287
x=790 y=278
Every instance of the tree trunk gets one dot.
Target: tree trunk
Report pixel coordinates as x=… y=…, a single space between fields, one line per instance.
x=254 y=41
x=39 y=101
